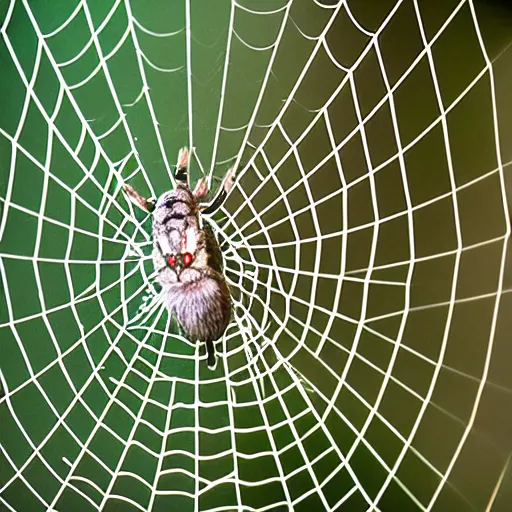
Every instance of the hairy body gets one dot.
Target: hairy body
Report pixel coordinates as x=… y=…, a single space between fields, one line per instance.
x=197 y=293
x=188 y=259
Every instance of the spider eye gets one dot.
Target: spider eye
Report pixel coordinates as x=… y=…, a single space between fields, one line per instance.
x=187 y=259
x=171 y=260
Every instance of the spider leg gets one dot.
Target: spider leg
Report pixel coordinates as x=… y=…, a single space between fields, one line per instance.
x=211 y=362
x=146 y=204
x=221 y=195
x=201 y=189
x=181 y=172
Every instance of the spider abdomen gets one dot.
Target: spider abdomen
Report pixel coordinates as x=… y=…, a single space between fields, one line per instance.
x=203 y=307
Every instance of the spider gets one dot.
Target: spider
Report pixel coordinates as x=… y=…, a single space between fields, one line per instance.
x=187 y=256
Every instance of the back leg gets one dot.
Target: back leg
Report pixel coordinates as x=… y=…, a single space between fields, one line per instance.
x=211 y=361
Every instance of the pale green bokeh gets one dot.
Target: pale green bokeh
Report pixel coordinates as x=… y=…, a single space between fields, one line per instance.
x=458 y=60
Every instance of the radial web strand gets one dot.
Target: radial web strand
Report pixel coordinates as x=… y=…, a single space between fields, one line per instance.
x=365 y=243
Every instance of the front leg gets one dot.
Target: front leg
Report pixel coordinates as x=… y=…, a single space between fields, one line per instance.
x=146 y=204
x=181 y=173
x=201 y=189
x=221 y=195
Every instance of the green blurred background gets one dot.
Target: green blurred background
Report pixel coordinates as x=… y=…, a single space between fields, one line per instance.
x=87 y=386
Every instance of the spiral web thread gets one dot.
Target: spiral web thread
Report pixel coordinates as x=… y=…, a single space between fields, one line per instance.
x=101 y=403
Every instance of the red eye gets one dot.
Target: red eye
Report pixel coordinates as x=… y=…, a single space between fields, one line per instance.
x=187 y=259
x=171 y=260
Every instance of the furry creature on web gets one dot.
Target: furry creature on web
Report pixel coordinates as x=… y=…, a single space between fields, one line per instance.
x=187 y=256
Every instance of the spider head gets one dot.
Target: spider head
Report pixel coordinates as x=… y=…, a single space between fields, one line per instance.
x=179 y=262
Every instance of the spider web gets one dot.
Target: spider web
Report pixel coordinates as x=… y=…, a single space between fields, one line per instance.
x=364 y=242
